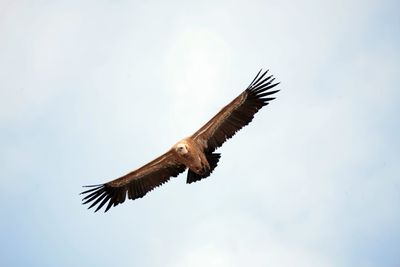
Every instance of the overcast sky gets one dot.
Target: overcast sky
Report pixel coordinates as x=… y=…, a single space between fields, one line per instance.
x=90 y=90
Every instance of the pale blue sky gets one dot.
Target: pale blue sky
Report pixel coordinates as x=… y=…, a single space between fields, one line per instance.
x=90 y=90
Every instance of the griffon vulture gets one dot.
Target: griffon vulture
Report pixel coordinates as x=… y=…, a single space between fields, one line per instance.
x=195 y=152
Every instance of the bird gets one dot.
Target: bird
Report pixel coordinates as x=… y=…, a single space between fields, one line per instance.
x=195 y=153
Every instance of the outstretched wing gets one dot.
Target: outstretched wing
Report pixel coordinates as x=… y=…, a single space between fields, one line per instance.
x=135 y=184
x=236 y=114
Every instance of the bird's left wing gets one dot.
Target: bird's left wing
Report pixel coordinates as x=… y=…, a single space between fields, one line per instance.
x=135 y=184
x=236 y=114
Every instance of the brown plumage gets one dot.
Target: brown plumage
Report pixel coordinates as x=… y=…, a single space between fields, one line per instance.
x=194 y=152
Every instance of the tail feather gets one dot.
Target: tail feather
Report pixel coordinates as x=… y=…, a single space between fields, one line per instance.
x=212 y=159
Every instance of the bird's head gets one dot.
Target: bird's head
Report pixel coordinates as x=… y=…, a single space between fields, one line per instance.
x=181 y=149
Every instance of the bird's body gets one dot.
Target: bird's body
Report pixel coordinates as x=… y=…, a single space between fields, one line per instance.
x=190 y=153
x=195 y=153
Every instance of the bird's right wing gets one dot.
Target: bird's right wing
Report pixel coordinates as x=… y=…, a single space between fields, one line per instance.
x=135 y=184
x=236 y=114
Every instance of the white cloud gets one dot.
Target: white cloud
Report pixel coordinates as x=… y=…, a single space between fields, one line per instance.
x=197 y=61
x=239 y=240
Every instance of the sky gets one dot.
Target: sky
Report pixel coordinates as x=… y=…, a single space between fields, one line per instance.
x=90 y=90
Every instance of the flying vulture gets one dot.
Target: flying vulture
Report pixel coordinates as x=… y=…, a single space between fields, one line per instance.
x=195 y=152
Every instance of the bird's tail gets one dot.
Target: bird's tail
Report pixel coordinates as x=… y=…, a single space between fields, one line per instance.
x=212 y=159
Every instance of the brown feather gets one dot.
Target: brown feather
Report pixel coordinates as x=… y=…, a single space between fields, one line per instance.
x=135 y=184
x=236 y=114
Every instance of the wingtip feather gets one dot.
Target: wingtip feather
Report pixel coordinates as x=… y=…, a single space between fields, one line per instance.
x=254 y=78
